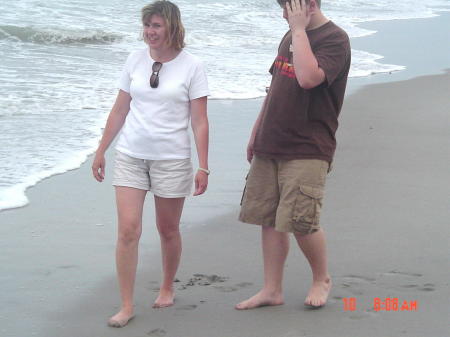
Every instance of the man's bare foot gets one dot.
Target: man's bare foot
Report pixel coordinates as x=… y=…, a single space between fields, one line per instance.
x=318 y=293
x=121 y=319
x=261 y=299
x=165 y=299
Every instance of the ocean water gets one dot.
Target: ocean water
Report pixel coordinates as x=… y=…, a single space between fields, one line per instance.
x=60 y=62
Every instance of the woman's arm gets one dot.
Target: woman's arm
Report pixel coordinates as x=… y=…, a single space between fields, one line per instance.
x=115 y=121
x=200 y=127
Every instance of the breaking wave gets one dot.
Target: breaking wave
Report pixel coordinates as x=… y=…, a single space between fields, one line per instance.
x=54 y=36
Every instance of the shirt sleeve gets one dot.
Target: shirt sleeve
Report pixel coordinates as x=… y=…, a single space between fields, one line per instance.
x=199 y=83
x=333 y=57
x=272 y=67
x=124 y=81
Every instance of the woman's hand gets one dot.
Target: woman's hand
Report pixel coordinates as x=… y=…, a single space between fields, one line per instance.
x=98 y=167
x=201 y=182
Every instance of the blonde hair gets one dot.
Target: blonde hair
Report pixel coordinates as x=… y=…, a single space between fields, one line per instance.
x=171 y=15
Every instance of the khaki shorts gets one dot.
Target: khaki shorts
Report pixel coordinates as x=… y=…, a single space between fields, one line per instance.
x=165 y=178
x=284 y=194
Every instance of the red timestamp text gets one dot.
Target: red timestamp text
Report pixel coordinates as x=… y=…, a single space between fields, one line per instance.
x=382 y=304
x=394 y=304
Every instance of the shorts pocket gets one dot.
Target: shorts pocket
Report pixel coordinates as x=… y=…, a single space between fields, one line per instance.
x=243 y=192
x=306 y=211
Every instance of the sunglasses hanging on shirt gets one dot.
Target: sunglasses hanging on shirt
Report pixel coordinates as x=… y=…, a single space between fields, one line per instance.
x=154 y=78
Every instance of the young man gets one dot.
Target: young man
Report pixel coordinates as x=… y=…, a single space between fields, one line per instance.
x=292 y=146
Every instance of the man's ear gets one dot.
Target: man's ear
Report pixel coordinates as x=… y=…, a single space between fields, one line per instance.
x=313 y=6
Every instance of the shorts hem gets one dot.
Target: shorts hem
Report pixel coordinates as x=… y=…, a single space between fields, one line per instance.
x=126 y=184
x=257 y=223
x=278 y=229
x=171 y=196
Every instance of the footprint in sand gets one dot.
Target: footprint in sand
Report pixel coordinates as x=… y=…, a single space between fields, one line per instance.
x=157 y=333
x=368 y=313
x=403 y=273
x=186 y=307
x=336 y=299
x=352 y=283
x=71 y=266
x=407 y=276
x=229 y=289
x=202 y=280
x=349 y=287
x=359 y=278
x=226 y=289
x=151 y=288
x=424 y=287
x=244 y=284
x=427 y=287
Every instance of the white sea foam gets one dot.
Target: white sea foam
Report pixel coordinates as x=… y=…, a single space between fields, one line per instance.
x=365 y=64
x=61 y=60
x=14 y=196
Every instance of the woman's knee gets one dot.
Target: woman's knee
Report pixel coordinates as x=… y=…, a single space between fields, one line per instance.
x=168 y=232
x=129 y=233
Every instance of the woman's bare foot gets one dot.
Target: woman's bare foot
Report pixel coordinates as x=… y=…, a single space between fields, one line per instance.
x=318 y=293
x=259 y=300
x=121 y=319
x=165 y=299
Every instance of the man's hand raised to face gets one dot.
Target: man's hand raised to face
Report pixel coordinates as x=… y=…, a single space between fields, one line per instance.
x=299 y=15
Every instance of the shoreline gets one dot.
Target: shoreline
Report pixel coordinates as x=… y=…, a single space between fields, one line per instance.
x=398 y=41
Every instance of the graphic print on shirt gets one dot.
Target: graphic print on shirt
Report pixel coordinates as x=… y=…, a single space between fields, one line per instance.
x=285 y=65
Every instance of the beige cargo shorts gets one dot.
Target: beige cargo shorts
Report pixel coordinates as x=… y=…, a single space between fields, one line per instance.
x=284 y=194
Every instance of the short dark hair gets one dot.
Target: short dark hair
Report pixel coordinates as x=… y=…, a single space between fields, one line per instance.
x=282 y=2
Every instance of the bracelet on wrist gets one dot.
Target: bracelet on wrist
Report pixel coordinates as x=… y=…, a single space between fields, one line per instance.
x=204 y=170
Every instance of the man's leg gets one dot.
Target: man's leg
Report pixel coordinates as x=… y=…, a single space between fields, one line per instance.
x=275 y=246
x=168 y=214
x=314 y=247
x=130 y=202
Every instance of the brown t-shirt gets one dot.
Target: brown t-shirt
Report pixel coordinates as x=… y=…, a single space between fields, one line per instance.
x=298 y=123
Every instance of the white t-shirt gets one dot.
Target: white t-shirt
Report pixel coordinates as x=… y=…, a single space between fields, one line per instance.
x=156 y=127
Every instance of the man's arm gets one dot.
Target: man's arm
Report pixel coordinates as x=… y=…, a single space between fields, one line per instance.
x=307 y=70
x=251 y=142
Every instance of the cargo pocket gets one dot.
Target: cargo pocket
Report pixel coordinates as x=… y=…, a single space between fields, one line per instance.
x=243 y=192
x=306 y=211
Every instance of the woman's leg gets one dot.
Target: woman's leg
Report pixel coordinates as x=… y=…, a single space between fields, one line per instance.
x=168 y=214
x=130 y=203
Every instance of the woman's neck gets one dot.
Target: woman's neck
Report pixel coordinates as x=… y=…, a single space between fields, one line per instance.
x=164 y=55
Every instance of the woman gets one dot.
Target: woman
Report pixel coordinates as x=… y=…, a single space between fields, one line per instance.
x=161 y=88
